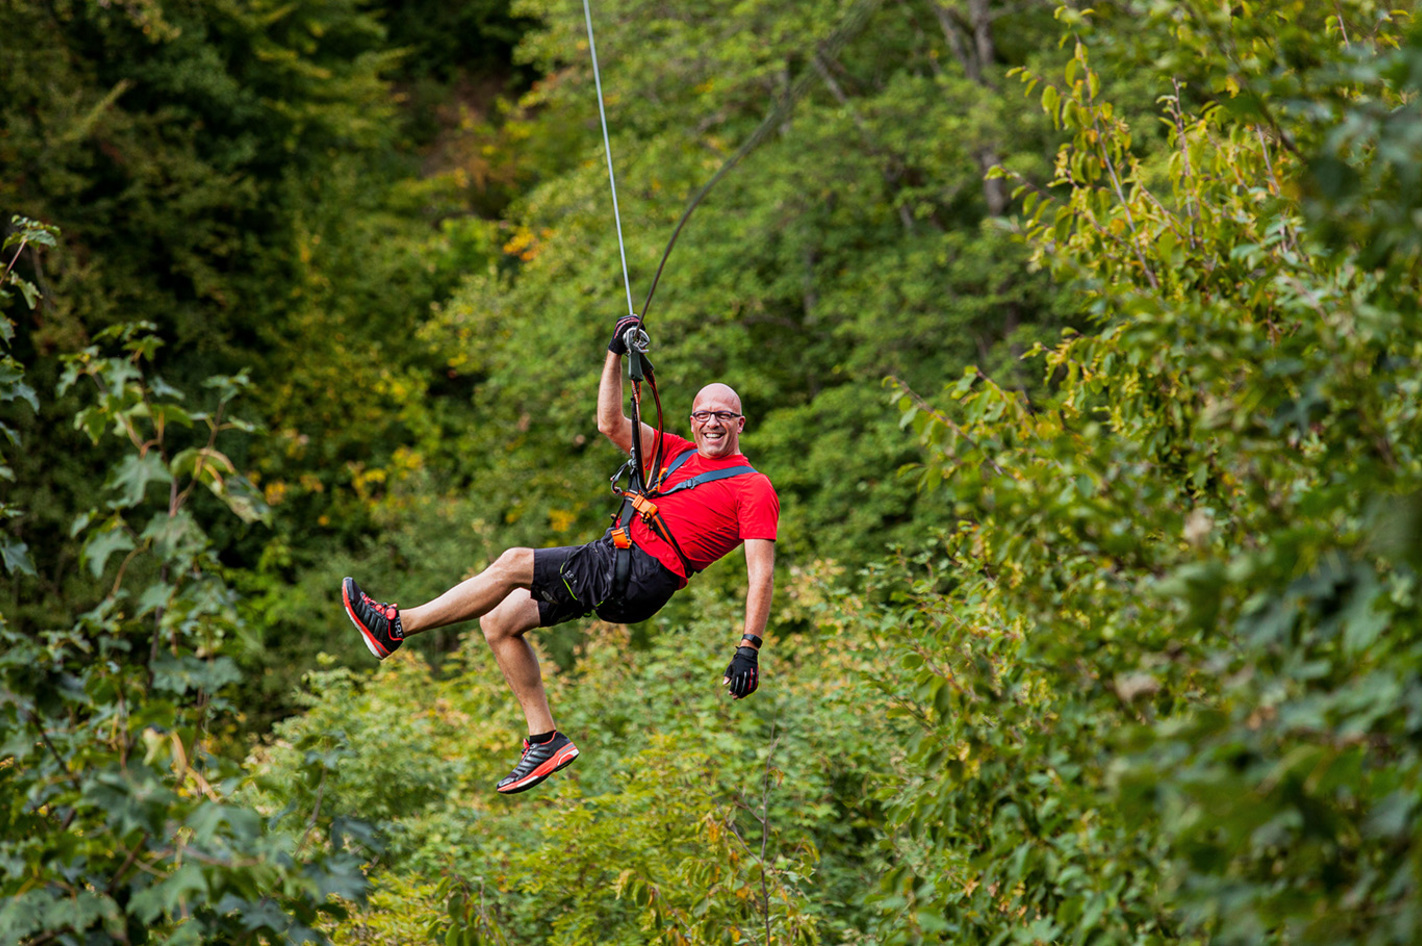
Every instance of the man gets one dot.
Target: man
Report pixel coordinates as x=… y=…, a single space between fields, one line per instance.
x=709 y=503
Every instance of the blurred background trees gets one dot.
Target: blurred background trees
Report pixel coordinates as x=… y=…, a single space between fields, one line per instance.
x=1127 y=654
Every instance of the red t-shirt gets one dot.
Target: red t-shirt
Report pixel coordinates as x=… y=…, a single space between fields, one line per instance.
x=711 y=519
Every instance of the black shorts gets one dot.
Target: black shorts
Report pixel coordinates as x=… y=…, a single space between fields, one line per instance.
x=573 y=581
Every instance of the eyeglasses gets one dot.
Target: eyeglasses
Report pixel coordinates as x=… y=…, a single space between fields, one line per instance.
x=724 y=417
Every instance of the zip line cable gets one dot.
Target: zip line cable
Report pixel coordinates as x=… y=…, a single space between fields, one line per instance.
x=607 y=149
x=854 y=21
x=637 y=365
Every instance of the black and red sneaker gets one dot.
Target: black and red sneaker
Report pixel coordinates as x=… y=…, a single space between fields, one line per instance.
x=540 y=760
x=379 y=623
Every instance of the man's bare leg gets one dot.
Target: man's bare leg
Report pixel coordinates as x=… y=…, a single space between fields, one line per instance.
x=474 y=597
x=504 y=629
x=499 y=597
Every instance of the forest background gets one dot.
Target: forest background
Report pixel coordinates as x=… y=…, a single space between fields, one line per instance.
x=1081 y=345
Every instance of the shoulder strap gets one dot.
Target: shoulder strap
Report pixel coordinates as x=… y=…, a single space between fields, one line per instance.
x=710 y=476
x=676 y=464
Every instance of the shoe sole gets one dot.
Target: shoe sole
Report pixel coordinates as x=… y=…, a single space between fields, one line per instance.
x=564 y=757
x=370 y=642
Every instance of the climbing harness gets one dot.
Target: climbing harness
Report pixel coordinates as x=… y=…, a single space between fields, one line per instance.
x=638 y=495
x=640 y=503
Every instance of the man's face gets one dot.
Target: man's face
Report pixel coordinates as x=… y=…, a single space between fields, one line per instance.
x=717 y=437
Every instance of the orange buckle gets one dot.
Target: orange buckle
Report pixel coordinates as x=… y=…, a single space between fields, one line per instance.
x=644 y=506
x=621 y=539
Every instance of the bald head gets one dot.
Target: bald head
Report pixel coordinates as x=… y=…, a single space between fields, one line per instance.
x=724 y=396
x=717 y=437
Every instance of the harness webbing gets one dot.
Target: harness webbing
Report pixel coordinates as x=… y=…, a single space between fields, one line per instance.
x=639 y=504
x=710 y=476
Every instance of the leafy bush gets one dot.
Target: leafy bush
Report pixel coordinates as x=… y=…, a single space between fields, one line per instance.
x=687 y=818
x=118 y=823
x=1167 y=665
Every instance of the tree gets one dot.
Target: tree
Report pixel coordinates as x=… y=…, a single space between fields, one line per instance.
x=1168 y=671
x=117 y=824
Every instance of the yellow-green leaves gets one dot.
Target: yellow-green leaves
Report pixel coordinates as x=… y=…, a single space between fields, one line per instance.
x=1197 y=521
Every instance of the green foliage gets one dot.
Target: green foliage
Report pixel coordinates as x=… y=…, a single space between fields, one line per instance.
x=849 y=245
x=23 y=232
x=251 y=180
x=687 y=819
x=238 y=175
x=117 y=824
x=1168 y=674
x=1146 y=672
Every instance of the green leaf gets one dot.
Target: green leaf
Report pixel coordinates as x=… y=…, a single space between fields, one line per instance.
x=173 y=534
x=132 y=477
x=93 y=421
x=157 y=595
x=103 y=544
x=15 y=555
x=186 y=674
x=241 y=497
x=81 y=522
x=27 y=289
x=12 y=383
x=1051 y=99
x=171 y=414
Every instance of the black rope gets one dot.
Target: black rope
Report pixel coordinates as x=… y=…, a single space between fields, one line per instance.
x=639 y=480
x=849 y=27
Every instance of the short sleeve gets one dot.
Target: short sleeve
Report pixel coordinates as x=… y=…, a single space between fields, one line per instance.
x=758 y=509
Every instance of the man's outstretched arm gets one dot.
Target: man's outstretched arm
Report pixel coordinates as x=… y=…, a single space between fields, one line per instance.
x=612 y=422
x=760 y=567
x=742 y=677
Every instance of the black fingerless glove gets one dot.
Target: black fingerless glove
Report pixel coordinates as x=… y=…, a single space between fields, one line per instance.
x=743 y=675
x=618 y=346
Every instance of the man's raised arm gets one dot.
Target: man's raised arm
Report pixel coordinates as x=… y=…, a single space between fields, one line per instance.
x=612 y=422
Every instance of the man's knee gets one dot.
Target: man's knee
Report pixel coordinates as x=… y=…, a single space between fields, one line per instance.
x=512 y=617
x=495 y=628
x=515 y=566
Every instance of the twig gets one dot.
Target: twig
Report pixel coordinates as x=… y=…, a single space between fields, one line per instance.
x=316 y=813
x=123 y=566
x=16 y=258
x=765 y=831
x=1276 y=189
x=1342 y=26
x=73 y=778
x=123 y=868
x=948 y=422
x=1121 y=196
x=1190 y=204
